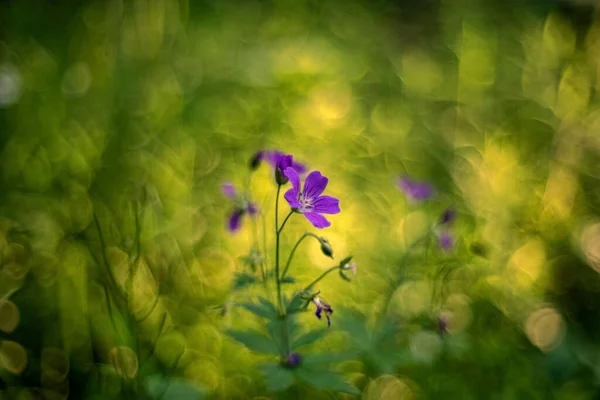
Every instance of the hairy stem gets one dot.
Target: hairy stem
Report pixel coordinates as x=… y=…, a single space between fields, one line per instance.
x=289 y=261
x=323 y=275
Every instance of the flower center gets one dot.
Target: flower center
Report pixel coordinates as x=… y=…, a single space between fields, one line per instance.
x=305 y=203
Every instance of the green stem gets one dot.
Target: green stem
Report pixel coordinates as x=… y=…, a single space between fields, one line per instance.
x=285 y=220
x=289 y=261
x=277 y=232
x=323 y=275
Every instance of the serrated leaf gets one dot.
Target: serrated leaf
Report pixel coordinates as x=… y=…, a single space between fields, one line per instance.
x=267 y=305
x=308 y=338
x=324 y=360
x=281 y=328
x=355 y=324
x=295 y=305
x=163 y=388
x=254 y=341
x=327 y=380
x=243 y=280
x=277 y=377
x=260 y=310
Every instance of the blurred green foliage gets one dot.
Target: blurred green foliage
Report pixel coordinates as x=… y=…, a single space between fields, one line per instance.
x=119 y=120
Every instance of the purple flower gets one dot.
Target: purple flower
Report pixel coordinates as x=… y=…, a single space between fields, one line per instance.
x=322 y=306
x=273 y=157
x=241 y=207
x=447 y=217
x=444 y=237
x=415 y=190
x=445 y=240
x=310 y=202
x=293 y=360
x=443 y=324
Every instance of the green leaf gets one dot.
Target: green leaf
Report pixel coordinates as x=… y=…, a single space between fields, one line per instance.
x=327 y=380
x=345 y=261
x=243 y=280
x=260 y=310
x=295 y=305
x=254 y=341
x=267 y=305
x=387 y=361
x=324 y=360
x=288 y=279
x=355 y=324
x=277 y=377
x=280 y=328
x=163 y=388
x=308 y=338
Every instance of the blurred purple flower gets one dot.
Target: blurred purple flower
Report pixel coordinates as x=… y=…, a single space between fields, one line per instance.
x=445 y=240
x=444 y=237
x=448 y=216
x=310 y=202
x=241 y=207
x=274 y=158
x=293 y=360
x=415 y=190
x=322 y=306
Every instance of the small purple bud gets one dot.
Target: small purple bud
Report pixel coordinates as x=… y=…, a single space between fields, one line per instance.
x=445 y=241
x=448 y=216
x=256 y=160
x=293 y=360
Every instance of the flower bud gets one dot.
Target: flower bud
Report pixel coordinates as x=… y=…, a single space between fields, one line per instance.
x=326 y=247
x=280 y=178
x=293 y=360
x=282 y=163
x=256 y=160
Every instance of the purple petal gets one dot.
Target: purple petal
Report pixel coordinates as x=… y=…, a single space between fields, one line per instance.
x=318 y=312
x=300 y=168
x=326 y=205
x=229 y=190
x=252 y=208
x=285 y=162
x=292 y=198
x=317 y=220
x=294 y=178
x=328 y=320
x=272 y=157
x=415 y=190
x=314 y=185
x=448 y=216
x=235 y=220
x=445 y=241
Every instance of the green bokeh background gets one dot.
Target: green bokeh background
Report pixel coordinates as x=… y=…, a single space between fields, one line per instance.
x=120 y=120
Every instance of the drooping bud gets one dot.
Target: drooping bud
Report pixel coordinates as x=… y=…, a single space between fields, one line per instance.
x=326 y=247
x=256 y=160
x=282 y=163
x=293 y=360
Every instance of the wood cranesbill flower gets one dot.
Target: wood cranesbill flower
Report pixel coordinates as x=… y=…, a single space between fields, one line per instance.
x=273 y=158
x=241 y=206
x=322 y=307
x=309 y=201
x=415 y=191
